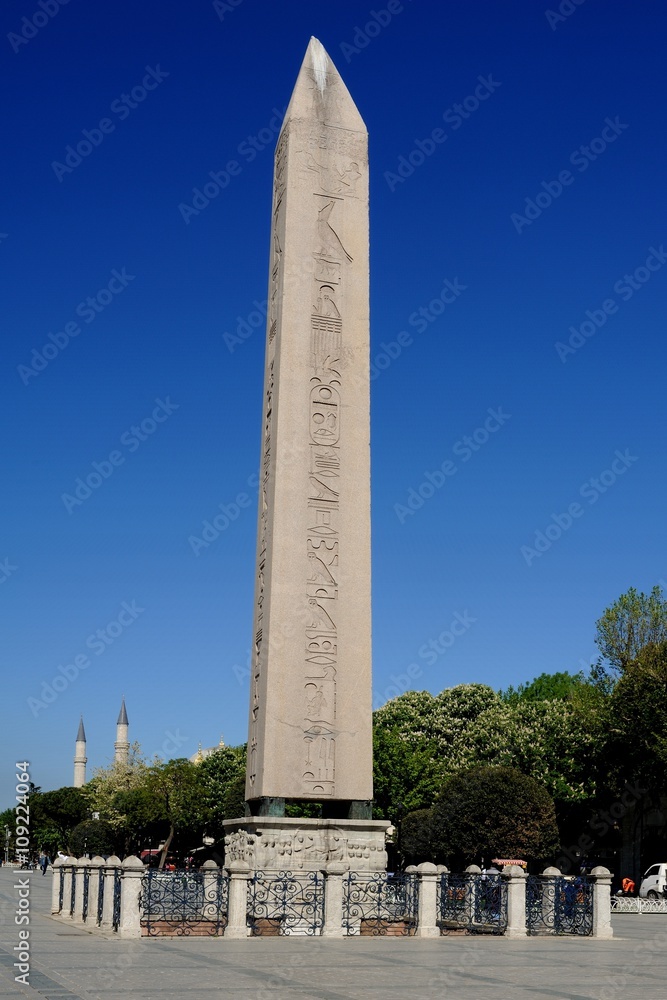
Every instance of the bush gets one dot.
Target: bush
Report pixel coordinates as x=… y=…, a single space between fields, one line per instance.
x=488 y=812
x=93 y=836
x=417 y=837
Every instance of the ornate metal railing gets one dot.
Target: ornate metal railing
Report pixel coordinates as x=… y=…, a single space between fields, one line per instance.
x=380 y=904
x=86 y=884
x=183 y=903
x=72 y=896
x=559 y=905
x=100 y=895
x=474 y=903
x=636 y=904
x=115 y=919
x=286 y=903
x=61 y=889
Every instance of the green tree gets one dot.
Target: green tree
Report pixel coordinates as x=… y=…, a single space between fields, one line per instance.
x=216 y=775
x=53 y=816
x=108 y=790
x=404 y=775
x=546 y=687
x=417 y=837
x=637 y=745
x=493 y=811
x=436 y=725
x=174 y=800
x=233 y=801
x=93 y=836
x=629 y=625
x=551 y=741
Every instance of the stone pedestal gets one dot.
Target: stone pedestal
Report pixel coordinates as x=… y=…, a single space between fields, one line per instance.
x=601 y=878
x=237 y=923
x=280 y=843
x=516 y=901
x=427 y=917
x=133 y=871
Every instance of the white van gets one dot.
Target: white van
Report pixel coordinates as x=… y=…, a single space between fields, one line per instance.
x=654 y=883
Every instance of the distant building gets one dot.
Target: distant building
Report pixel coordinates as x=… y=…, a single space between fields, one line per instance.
x=201 y=755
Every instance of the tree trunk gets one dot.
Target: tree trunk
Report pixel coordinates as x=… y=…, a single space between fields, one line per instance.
x=165 y=849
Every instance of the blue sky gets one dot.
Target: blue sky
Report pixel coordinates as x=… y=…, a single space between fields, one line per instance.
x=518 y=278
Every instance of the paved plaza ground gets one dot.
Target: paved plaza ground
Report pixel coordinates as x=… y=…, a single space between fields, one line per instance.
x=69 y=963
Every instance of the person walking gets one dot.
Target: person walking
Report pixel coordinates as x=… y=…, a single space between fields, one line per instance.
x=43 y=862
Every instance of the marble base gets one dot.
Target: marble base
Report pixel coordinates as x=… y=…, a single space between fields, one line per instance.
x=280 y=843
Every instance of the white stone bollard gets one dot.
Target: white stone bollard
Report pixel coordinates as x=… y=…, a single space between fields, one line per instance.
x=333 y=899
x=210 y=907
x=237 y=923
x=96 y=865
x=110 y=864
x=78 y=873
x=427 y=912
x=515 y=878
x=549 y=888
x=56 y=868
x=133 y=871
x=601 y=878
x=68 y=867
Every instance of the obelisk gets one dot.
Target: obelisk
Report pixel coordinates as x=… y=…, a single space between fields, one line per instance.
x=310 y=730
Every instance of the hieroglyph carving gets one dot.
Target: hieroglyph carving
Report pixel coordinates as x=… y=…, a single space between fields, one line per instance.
x=267 y=435
x=331 y=260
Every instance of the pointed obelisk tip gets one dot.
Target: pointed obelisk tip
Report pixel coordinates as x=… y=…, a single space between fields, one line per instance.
x=320 y=94
x=319 y=61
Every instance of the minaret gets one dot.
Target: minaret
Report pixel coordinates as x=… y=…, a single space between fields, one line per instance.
x=80 y=759
x=122 y=745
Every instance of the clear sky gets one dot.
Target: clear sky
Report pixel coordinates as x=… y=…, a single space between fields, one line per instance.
x=517 y=204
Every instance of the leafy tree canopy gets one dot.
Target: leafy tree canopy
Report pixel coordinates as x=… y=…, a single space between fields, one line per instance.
x=636 y=750
x=633 y=622
x=546 y=687
x=108 y=788
x=93 y=836
x=488 y=812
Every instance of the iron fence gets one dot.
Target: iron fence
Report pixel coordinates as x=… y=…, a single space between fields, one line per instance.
x=86 y=886
x=72 y=895
x=380 y=904
x=115 y=919
x=476 y=904
x=286 y=904
x=559 y=905
x=100 y=895
x=184 y=903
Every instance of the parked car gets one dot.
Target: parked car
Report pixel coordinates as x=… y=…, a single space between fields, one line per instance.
x=654 y=883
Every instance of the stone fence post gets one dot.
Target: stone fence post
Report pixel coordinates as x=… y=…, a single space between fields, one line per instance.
x=96 y=865
x=133 y=871
x=210 y=872
x=55 y=885
x=601 y=879
x=549 y=890
x=107 y=903
x=427 y=909
x=68 y=868
x=333 y=899
x=79 y=873
x=515 y=879
x=237 y=923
